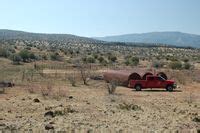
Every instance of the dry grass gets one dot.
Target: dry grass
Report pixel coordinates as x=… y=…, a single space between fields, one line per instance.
x=31 y=88
x=53 y=91
x=72 y=80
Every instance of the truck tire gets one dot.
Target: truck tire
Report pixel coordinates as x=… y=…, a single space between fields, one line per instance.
x=169 y=88
x=138 y=88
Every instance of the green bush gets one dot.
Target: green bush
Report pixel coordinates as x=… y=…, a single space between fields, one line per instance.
x=4 y=52
x=90 y=59
x=187 y=66
x=186 y=60
x=127 y=62
x=112 y=58
x=171 y=58
x=95 y=56
x=27 y=56
x=55 y=57
x=32 y=56
x=133 y=61
x=16 y=59
x=104 y=62
x=176 y=65
x=101 y=59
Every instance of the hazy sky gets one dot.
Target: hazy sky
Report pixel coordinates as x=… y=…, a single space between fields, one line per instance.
x=100 y=17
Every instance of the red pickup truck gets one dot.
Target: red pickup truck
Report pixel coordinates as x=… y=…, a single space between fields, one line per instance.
x=152 y=82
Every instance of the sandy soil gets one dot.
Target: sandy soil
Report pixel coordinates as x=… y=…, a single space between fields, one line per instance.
x=92 y=109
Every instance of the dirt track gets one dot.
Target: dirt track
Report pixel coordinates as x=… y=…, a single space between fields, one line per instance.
x=90 y=108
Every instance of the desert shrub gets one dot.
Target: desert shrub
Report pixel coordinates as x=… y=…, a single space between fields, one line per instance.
x=59 y=112
x=186 y=60
x=16 y=59
x=2 y=90
x=4 y=52
x=127 y=62
x=90 y=59
x=84 y=72
x=129 y=107
x=46 y=91
x=55 y=57
x=30 y=88
x=101 y=59
x=12 y=50
x=112 y=87
x=196 y=119
x=133 y=61
x=104 y=62
x=28 y=48
x=49 y=90
x=59 y=93
x=44 y=57
x=171 y=58
x=190 y=98
x=176 y=65
x=72 y=80
x=69 y=109
x=157 y=64
x=84 y=59
x=187 y=66
x=112 y=58
x=32 y=56
x=26 y=55
x=95 y=56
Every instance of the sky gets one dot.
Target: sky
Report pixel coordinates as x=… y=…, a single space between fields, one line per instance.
x=97 y=18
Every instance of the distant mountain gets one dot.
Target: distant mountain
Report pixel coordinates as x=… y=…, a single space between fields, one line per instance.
x=67 y=38
x=153 y=38
x=170 y=38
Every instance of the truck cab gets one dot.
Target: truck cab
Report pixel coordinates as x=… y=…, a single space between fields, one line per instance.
x=153 y=82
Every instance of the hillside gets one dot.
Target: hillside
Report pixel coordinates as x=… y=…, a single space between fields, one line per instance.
x=20 y=35
x=170 y=38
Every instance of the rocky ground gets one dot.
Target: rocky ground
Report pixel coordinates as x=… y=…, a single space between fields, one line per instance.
x=92 y=109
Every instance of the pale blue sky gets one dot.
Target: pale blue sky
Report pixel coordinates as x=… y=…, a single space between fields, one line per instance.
x=100 y=17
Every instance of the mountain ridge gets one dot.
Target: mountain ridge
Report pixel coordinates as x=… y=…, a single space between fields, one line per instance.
x=23 y=35
x=175 y=38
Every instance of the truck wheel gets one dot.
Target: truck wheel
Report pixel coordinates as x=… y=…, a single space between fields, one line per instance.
x=169 y=88
x=138 y=88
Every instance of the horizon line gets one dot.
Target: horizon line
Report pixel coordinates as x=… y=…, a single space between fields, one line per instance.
x=57 y=33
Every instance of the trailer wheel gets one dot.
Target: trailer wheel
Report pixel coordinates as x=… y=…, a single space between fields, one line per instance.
x=169 y=88
x=138 y=88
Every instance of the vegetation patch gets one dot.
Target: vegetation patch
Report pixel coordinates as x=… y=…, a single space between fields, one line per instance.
x=196 y=119
x=129 y=107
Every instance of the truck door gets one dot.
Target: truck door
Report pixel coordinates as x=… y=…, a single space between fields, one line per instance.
x=161 y=82
x=150 y=82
